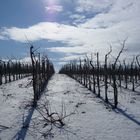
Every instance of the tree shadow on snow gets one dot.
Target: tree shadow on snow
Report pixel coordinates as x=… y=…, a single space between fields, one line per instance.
x=131 y=117
x=128 y=116
x=21 y=134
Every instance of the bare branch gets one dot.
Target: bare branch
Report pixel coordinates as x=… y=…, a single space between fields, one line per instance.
x=123 y=46
x=137 y=59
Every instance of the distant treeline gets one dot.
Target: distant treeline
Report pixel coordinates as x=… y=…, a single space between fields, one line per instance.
x=40 y=68
x=11 y=71
x=93 y=75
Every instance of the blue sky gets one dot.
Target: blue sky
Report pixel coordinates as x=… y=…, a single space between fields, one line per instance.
x=68 y=29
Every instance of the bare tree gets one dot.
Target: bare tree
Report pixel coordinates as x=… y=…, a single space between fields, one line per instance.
x=106 y=75
x=41 y=73
x=114 y=74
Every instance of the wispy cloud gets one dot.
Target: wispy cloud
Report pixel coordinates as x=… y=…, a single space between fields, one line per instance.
x=54 y=8
x=71 y=57
x=121 y=11
x=2 y=37
x=77 y=18
x=74 y=50
x=93 y=5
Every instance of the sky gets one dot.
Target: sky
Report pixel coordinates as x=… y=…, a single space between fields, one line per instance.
x=68 y=29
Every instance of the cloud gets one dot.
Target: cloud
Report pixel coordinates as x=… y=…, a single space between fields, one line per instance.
x=93 y=5
x=95 y=34
x=45 y=30
x=75 y=50
x=77 y=18
x=121 y=11
x=2 y=37
x=54 y=8
x=71 y=57
x=25 y=60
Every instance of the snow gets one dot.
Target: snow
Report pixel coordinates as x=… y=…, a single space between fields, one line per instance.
x=14 y=97
x=91 y=118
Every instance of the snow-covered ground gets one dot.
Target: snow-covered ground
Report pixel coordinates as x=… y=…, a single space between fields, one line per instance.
x=88 y=117
x=14 y=99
